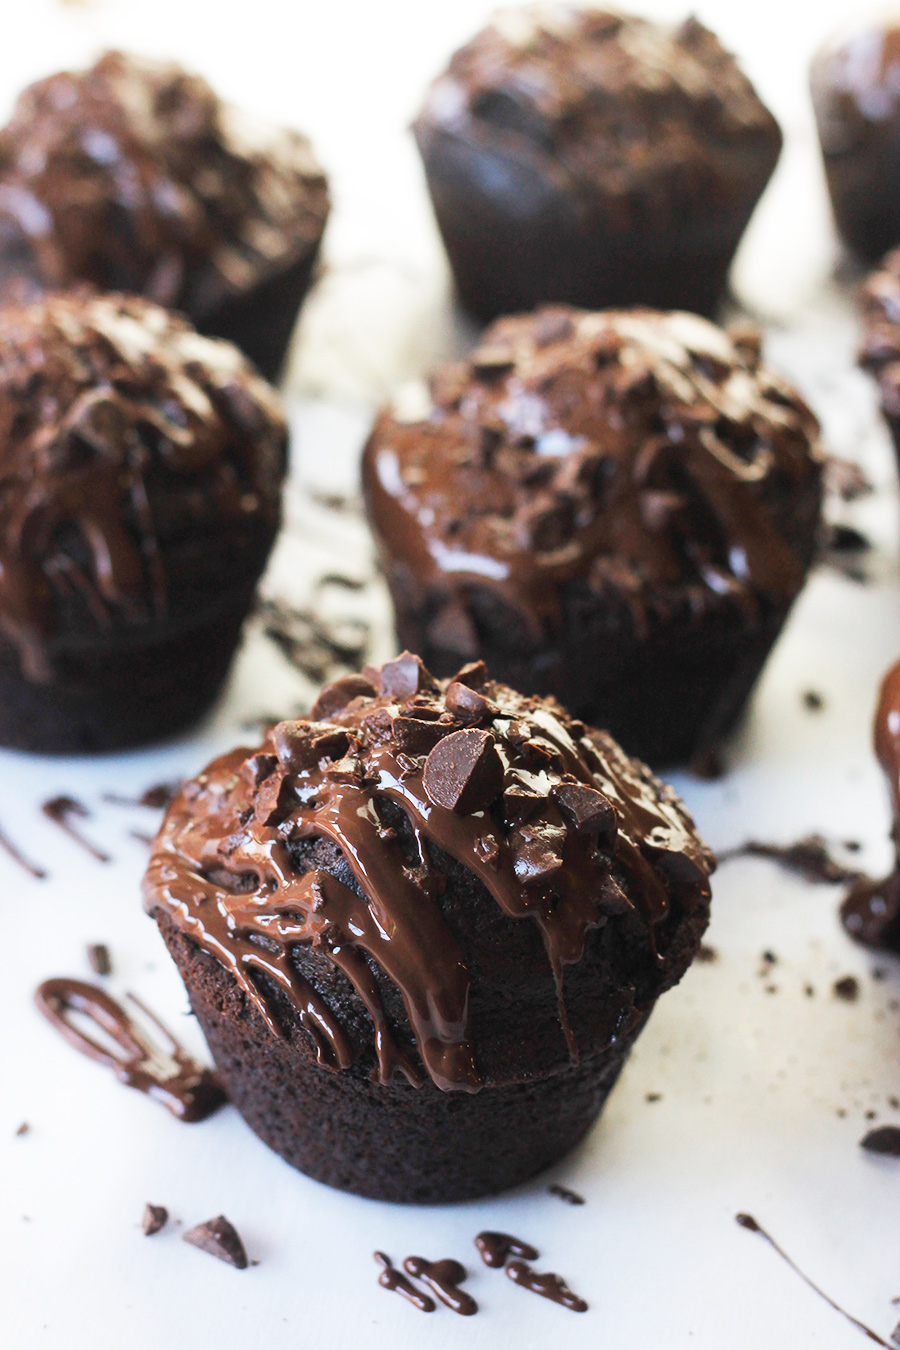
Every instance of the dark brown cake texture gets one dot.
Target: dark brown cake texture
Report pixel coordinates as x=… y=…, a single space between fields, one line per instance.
x=142 y=468
x=618 y=509
x=583 y=155
x=855 y=81
x=134 y=176
x=422 y=929
x=880 y=347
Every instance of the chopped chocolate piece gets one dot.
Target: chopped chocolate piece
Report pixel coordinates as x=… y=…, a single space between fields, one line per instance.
x=467 y=704
x=335 y=696
x=537 y=851
x=274 y=800
x=653 y=1097
x=221 y=1239
x=588 y=810
x=886 y=1140
x=495 y=1248
x=404 y=676
x=473 y=675
x=846 y=988
x=416 y=736
x=155 y=1219
x=347 y=770
x=99 y=959
x=706 y=954
x=464 y=773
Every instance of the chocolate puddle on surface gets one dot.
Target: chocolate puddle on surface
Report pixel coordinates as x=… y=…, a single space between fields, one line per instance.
x=168 y=1074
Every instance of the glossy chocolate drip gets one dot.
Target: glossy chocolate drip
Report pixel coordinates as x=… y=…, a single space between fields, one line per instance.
x=394 y=1280
x=443 y=1278
x=641 y=452
x=495 y=1248
x=122 y=431
x=747 y=1221
x=871 y=911
x=167 y=1074
x=539 y=810
x=548 y=1286
x=62 y=811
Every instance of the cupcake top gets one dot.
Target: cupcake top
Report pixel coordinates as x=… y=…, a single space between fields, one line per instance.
x=133 y=175
x=123 y=433
x=643 y=451
x=855 y=80
x=880 y=349
x=339 y=832
x=612 y=105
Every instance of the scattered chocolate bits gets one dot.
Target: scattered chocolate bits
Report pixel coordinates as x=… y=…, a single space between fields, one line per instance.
x=537 y=851
x=99 y=958
x=846 y=988
x=588 y=810
x=221 y=1239
x=155 y=1219
x=563 y=1193
x=464 y=773
x=885 y=1140
x=652 y=1096
x=335 y=696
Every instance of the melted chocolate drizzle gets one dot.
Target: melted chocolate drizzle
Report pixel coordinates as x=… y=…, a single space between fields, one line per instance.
x=454 y=758
x=810 y=857
x=548 y=1285
x=495 y=1248
x=394 y=1280
x=157 y=797
x=10 y=849
x=62 y=810
x=563 y=1193
x=747 y=1221
x=443 y=1278
x=167 y=1074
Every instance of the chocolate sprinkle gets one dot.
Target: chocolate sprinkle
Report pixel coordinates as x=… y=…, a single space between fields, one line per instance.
x=221 y=1239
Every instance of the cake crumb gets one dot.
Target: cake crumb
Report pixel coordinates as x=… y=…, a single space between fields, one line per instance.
x=846 y=988
x=99 y=959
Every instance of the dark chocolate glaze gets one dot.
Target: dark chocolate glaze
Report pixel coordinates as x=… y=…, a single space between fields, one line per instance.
x=747 y=1221
x=394 y=1280
x=132 y=175
x=548 y=1285
x=871 y=911
x=496 y=1247
x=124 y=434
x=541 y=810
x=62 y=811
x=443 y=1278
x=647 y=454
x=167 y=1074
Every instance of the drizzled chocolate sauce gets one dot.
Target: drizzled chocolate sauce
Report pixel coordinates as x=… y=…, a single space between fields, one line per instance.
x=396 y=1282
x=443 y=1279
x=495 y=1248
x=548 y=1286
x=810 y=857
x=62 y=810
x=747 y=1221
x=157 y=797
x=315 y=646
x=871 y=911
x=10 y=849
x=563 y=1193
x=169 y=1075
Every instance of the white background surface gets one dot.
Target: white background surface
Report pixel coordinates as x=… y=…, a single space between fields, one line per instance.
x=763 y=1094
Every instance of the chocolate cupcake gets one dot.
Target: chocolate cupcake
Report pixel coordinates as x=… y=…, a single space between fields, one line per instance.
x=142 y=470
x=880 y=348
x=855 y=81
x=617 y=509
x=134 y=176
x=422 y=929
x=579 y=155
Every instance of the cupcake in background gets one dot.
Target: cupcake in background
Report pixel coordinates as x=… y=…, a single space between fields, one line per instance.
x=582 y=155
x=134 y=176
x=880 y=346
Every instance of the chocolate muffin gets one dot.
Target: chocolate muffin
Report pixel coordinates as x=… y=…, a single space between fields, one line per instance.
x=880 y=348
x=583 y=155
x=617 y=509
x=855 y=81
x=422 y=928
x=134 y=176
x=142 y=468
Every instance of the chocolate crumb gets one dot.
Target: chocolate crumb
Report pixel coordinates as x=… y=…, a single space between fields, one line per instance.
x=884 y=1140
x=653 y=1097
x=221 y=1239
x=879 y=973
x=155 y=1219
x=99 y=958
x=563 y=1193
x=894 y=1102
x=813 y=701
x=846 y=988
x=809 y=991
x=707 y=954
x=769 y=958
x=23 y=1129
x=871 y=1115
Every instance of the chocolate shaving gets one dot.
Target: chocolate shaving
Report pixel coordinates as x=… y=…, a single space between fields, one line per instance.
x=62 y=810
x=221 y=1239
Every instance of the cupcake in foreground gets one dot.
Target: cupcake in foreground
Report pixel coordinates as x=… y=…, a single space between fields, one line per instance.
x=618 y=509
x=855 y=81
x=574 y=154
x=422 y=929
x=133 y=176
x=880 y=347
x=142 y=468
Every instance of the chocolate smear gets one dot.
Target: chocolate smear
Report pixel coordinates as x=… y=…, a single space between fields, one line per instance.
x=99 y=959
x=846 y=988
x=156 y=798
x=464 y=773
x=62 y=810
x=155 y=1219
x=443 y=1278
x=884 y=1140
x=221 y=1239
x=11 y=851
x=313 y=645
x=495 y=1248
x=747 y=1221
x=563 y=1192
x=396 y=1282
x=809 y=857
x=548 y=1286
x=167 y=1074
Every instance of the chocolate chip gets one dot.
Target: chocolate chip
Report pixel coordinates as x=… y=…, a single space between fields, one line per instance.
x=303 y=745
x=155 y=1219
x=416 y=736
x=537 y=850
x=404 y=676
x=99 y=958
x=520 y=800
x=473 y=675
x=886 y=1140
x=467 y=704
x=464 y=773
x=588 y=810
x=335 y=696
x=221 y=1239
